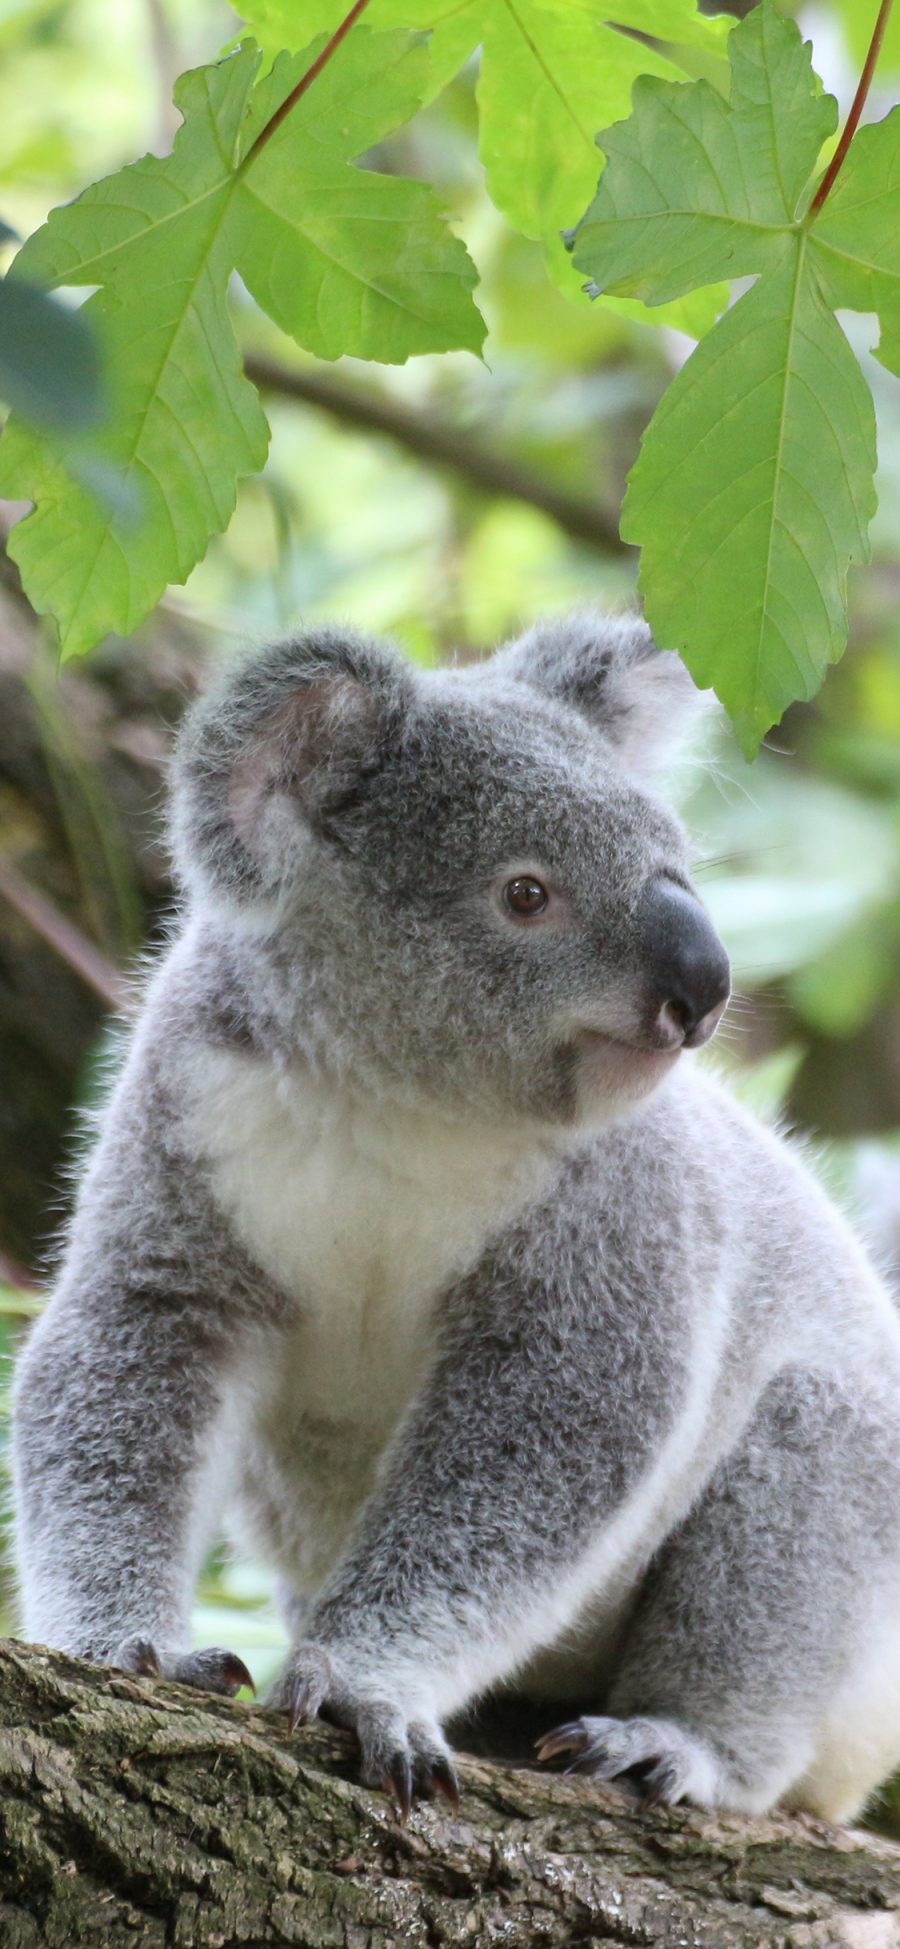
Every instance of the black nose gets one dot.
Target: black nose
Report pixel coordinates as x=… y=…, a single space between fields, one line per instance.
x=685 y=965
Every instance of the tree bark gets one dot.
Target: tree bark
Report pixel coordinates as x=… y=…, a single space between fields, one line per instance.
x=135 y=1812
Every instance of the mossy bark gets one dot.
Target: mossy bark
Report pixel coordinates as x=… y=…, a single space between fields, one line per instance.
x=135 y=1813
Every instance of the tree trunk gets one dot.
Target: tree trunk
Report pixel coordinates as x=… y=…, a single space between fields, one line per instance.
x=135 y=1812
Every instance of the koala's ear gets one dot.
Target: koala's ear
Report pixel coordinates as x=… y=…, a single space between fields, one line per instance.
x=609 y=668
x=277 y=743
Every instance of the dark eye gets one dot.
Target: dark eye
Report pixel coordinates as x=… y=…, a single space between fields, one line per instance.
x=525 y=897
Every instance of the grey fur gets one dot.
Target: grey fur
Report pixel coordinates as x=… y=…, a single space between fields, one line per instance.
x=519 y=1350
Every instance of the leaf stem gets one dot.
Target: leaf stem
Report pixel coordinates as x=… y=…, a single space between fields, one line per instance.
x=859 y=101
x=306 y=80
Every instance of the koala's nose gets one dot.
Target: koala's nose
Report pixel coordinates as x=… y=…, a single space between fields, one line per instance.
x=689 y=979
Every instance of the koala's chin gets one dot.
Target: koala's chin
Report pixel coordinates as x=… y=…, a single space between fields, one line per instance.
x=611 y=1077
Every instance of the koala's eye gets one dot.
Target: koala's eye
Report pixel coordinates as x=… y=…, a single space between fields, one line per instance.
x=525 y=897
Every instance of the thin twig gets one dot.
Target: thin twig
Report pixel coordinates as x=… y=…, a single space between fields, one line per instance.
x=441 y=446
x=858 y=104
x=306 y=80
x=62 y=935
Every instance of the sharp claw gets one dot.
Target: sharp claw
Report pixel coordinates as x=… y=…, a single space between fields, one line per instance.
x=398 y=1783
x=564 y=1739
x=442 y=1777
x=145 y=1660
x=236 y=1673
x=298 y=1709
x=657 y=1789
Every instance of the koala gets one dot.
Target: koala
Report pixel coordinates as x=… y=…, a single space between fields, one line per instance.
x=418 y=1251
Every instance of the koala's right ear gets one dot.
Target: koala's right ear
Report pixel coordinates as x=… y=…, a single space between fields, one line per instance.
x=609 y=669
x=277 y=742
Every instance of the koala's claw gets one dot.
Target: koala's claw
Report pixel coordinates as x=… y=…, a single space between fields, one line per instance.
x=443 y=1780
x=420 y=1769
x=308 y=1682
x=298 y=1711
x=405 y=1757
x=675 y=1764
x=564 y=1739
x=138 y=1655
x=397 y=1782
x=210 y=1670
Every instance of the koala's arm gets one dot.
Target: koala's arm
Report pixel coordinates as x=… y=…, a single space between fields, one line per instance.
x=505 y=1494
x=120 y=1396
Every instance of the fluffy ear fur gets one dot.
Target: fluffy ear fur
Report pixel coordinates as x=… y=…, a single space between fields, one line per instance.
x=609 y=667
x=275 y=745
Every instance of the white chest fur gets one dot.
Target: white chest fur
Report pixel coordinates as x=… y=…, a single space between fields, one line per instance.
x=362 y=1213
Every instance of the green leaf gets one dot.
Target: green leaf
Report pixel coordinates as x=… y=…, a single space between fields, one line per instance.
x=754 y=486
x=347 y=260
x=751 y=497
x=552 y=72
x=678 y=21
x=187 y=424
x=551 y=75
x=452 y=27
x=49 y=360
x=697 y=188
x=694 y=314
x=854 y=239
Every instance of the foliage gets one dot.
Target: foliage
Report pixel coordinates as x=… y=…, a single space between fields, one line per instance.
x=161 y=240
x=345 y=260
x=755 y=483
x=754 y=488
x=551 y=73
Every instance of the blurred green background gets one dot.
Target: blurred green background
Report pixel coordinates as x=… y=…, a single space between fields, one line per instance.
x=489 y=496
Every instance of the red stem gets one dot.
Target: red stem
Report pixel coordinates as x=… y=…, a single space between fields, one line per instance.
x=859 y=102
x=306 y=80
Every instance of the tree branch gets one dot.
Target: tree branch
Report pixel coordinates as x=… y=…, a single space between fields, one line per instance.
x=439 y=446
x=62 y=935
x=140 y=1815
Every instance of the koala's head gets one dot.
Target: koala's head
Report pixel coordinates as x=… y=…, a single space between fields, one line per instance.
x=465 y=889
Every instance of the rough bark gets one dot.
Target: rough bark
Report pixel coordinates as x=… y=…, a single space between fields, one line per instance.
x=135 y=1812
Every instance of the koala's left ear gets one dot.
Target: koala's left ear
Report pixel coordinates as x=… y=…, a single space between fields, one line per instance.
x=609 y=668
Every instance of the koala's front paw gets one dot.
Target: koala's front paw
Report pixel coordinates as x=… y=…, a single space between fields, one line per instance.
x=403 y=1752
x=210 y=1670
x=674 y=1764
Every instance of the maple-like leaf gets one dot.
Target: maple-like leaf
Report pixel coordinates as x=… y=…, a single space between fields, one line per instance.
x=344 y=258
x=552 y=72
x=754 y=486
